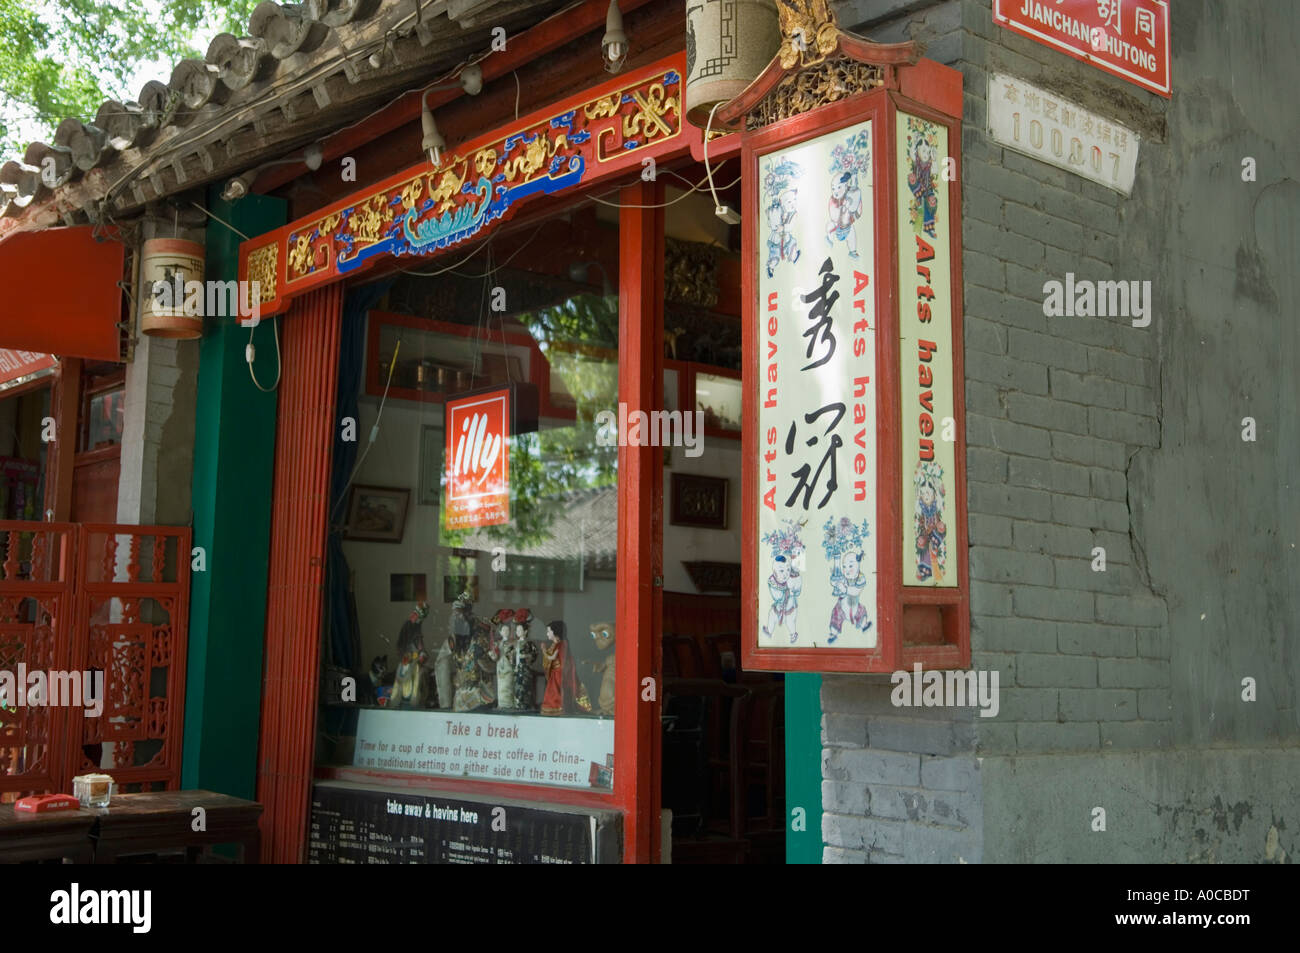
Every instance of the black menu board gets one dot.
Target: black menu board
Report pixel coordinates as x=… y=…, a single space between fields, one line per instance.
x=354 y=825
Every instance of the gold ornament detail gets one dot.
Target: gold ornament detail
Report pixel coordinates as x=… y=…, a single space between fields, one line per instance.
x=485 y=160
x=829 y=82
x=261 y=268
x=450 y=184
x=649 y=121
x=600 y=108
x=809 y=33
x=534 y=156
x=369 y=219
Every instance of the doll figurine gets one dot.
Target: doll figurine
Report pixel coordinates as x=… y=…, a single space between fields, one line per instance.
x=465 y=671
x=408 y=684
x=603 y=635
x=524 y=658
x=501 y=652
x=564 y=692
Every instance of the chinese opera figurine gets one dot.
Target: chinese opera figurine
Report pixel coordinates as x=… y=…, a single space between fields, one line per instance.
x=602 y=634
x=524 y=656
x=503 y=625
x=564 y=692
x=408 y=683
x=785 y=583
x=465 y=671
x=931 y=533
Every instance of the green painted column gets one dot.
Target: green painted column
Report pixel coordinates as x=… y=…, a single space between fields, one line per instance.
x=234 y=452
x=803 y=766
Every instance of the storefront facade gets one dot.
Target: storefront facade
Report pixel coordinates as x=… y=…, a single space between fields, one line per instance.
x=410 y=477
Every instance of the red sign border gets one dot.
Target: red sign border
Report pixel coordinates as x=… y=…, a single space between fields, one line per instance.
x=1051 y=42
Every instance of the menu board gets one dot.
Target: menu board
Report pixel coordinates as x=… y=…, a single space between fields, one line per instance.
x=350 y=825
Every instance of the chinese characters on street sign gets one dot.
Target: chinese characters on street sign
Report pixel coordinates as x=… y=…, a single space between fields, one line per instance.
x=817 y=404
x=925 y=347
x=1046 y=127
x=478 y=460
x=1126 y=38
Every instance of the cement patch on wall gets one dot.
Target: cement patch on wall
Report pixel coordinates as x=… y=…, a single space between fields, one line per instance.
x=1186 y=806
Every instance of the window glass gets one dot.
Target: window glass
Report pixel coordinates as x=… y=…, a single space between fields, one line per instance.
x=473 y=556
x=105 y=418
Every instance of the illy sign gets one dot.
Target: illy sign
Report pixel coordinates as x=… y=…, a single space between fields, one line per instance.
x=478 y=460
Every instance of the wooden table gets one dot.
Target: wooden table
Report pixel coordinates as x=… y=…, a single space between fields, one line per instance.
x=164 y=821
x=61 y=835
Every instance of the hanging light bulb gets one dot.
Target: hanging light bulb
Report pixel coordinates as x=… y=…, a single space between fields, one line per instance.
x=433 y=142
x=614 y=46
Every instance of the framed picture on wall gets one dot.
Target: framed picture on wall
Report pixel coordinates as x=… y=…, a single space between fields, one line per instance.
x=699 y=501
x=431 y=450
x=377 y=514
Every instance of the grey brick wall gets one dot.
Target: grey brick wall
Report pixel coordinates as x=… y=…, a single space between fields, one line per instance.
x=1052 y=429
x=1088 y=432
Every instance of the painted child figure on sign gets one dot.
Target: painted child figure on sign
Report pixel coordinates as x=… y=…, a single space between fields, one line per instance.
x=781 y=243
x=785 y=583
x=849 y=160
x=781 y=201
x=847 y=583
x=845 y=544
x=845 y=208
x=931 y=532
x=920 y=180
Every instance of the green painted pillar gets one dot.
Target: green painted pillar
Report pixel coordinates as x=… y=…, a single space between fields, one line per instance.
x=803 y=766
x=234 y=453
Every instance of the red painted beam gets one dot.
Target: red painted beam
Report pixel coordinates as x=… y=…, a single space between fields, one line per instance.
x=552 y=33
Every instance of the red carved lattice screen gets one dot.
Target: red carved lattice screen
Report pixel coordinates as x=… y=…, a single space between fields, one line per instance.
x=94 y=598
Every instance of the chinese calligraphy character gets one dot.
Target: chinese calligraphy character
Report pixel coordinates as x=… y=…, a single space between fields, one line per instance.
x=1108 y=10
x=1144 y=23
x=805 y=484
x=1010 y=93
x=820 y=314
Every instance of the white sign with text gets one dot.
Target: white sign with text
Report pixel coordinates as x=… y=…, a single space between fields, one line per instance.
x=532 y=749
x=1046 y=127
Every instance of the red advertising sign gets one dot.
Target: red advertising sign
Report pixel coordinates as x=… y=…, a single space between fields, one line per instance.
x=478 y=460
x=16 y=364
x=1126 y=38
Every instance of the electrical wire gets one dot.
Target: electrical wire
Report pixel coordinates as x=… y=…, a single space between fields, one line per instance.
x=250 y=354
x=708 y=172
x=694 y=188
x=374 y=433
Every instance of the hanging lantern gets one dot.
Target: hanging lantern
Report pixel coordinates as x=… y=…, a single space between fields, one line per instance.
x=168 y=268
x=728 y=43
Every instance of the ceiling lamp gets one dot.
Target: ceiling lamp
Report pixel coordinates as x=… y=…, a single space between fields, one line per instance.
x=613 y=48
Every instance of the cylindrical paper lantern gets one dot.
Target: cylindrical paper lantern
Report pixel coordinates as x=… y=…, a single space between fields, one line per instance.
x=728 y=43
x=167 y=265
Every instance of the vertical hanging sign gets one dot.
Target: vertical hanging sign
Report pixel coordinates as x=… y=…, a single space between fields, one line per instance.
x=816 y=402
x=478 y=460
x=925 y=347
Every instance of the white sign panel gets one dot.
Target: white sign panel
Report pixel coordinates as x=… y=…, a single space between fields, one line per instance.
x=514 y=748
x=816 y=399
x=929 y=413
x=1056 y=131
